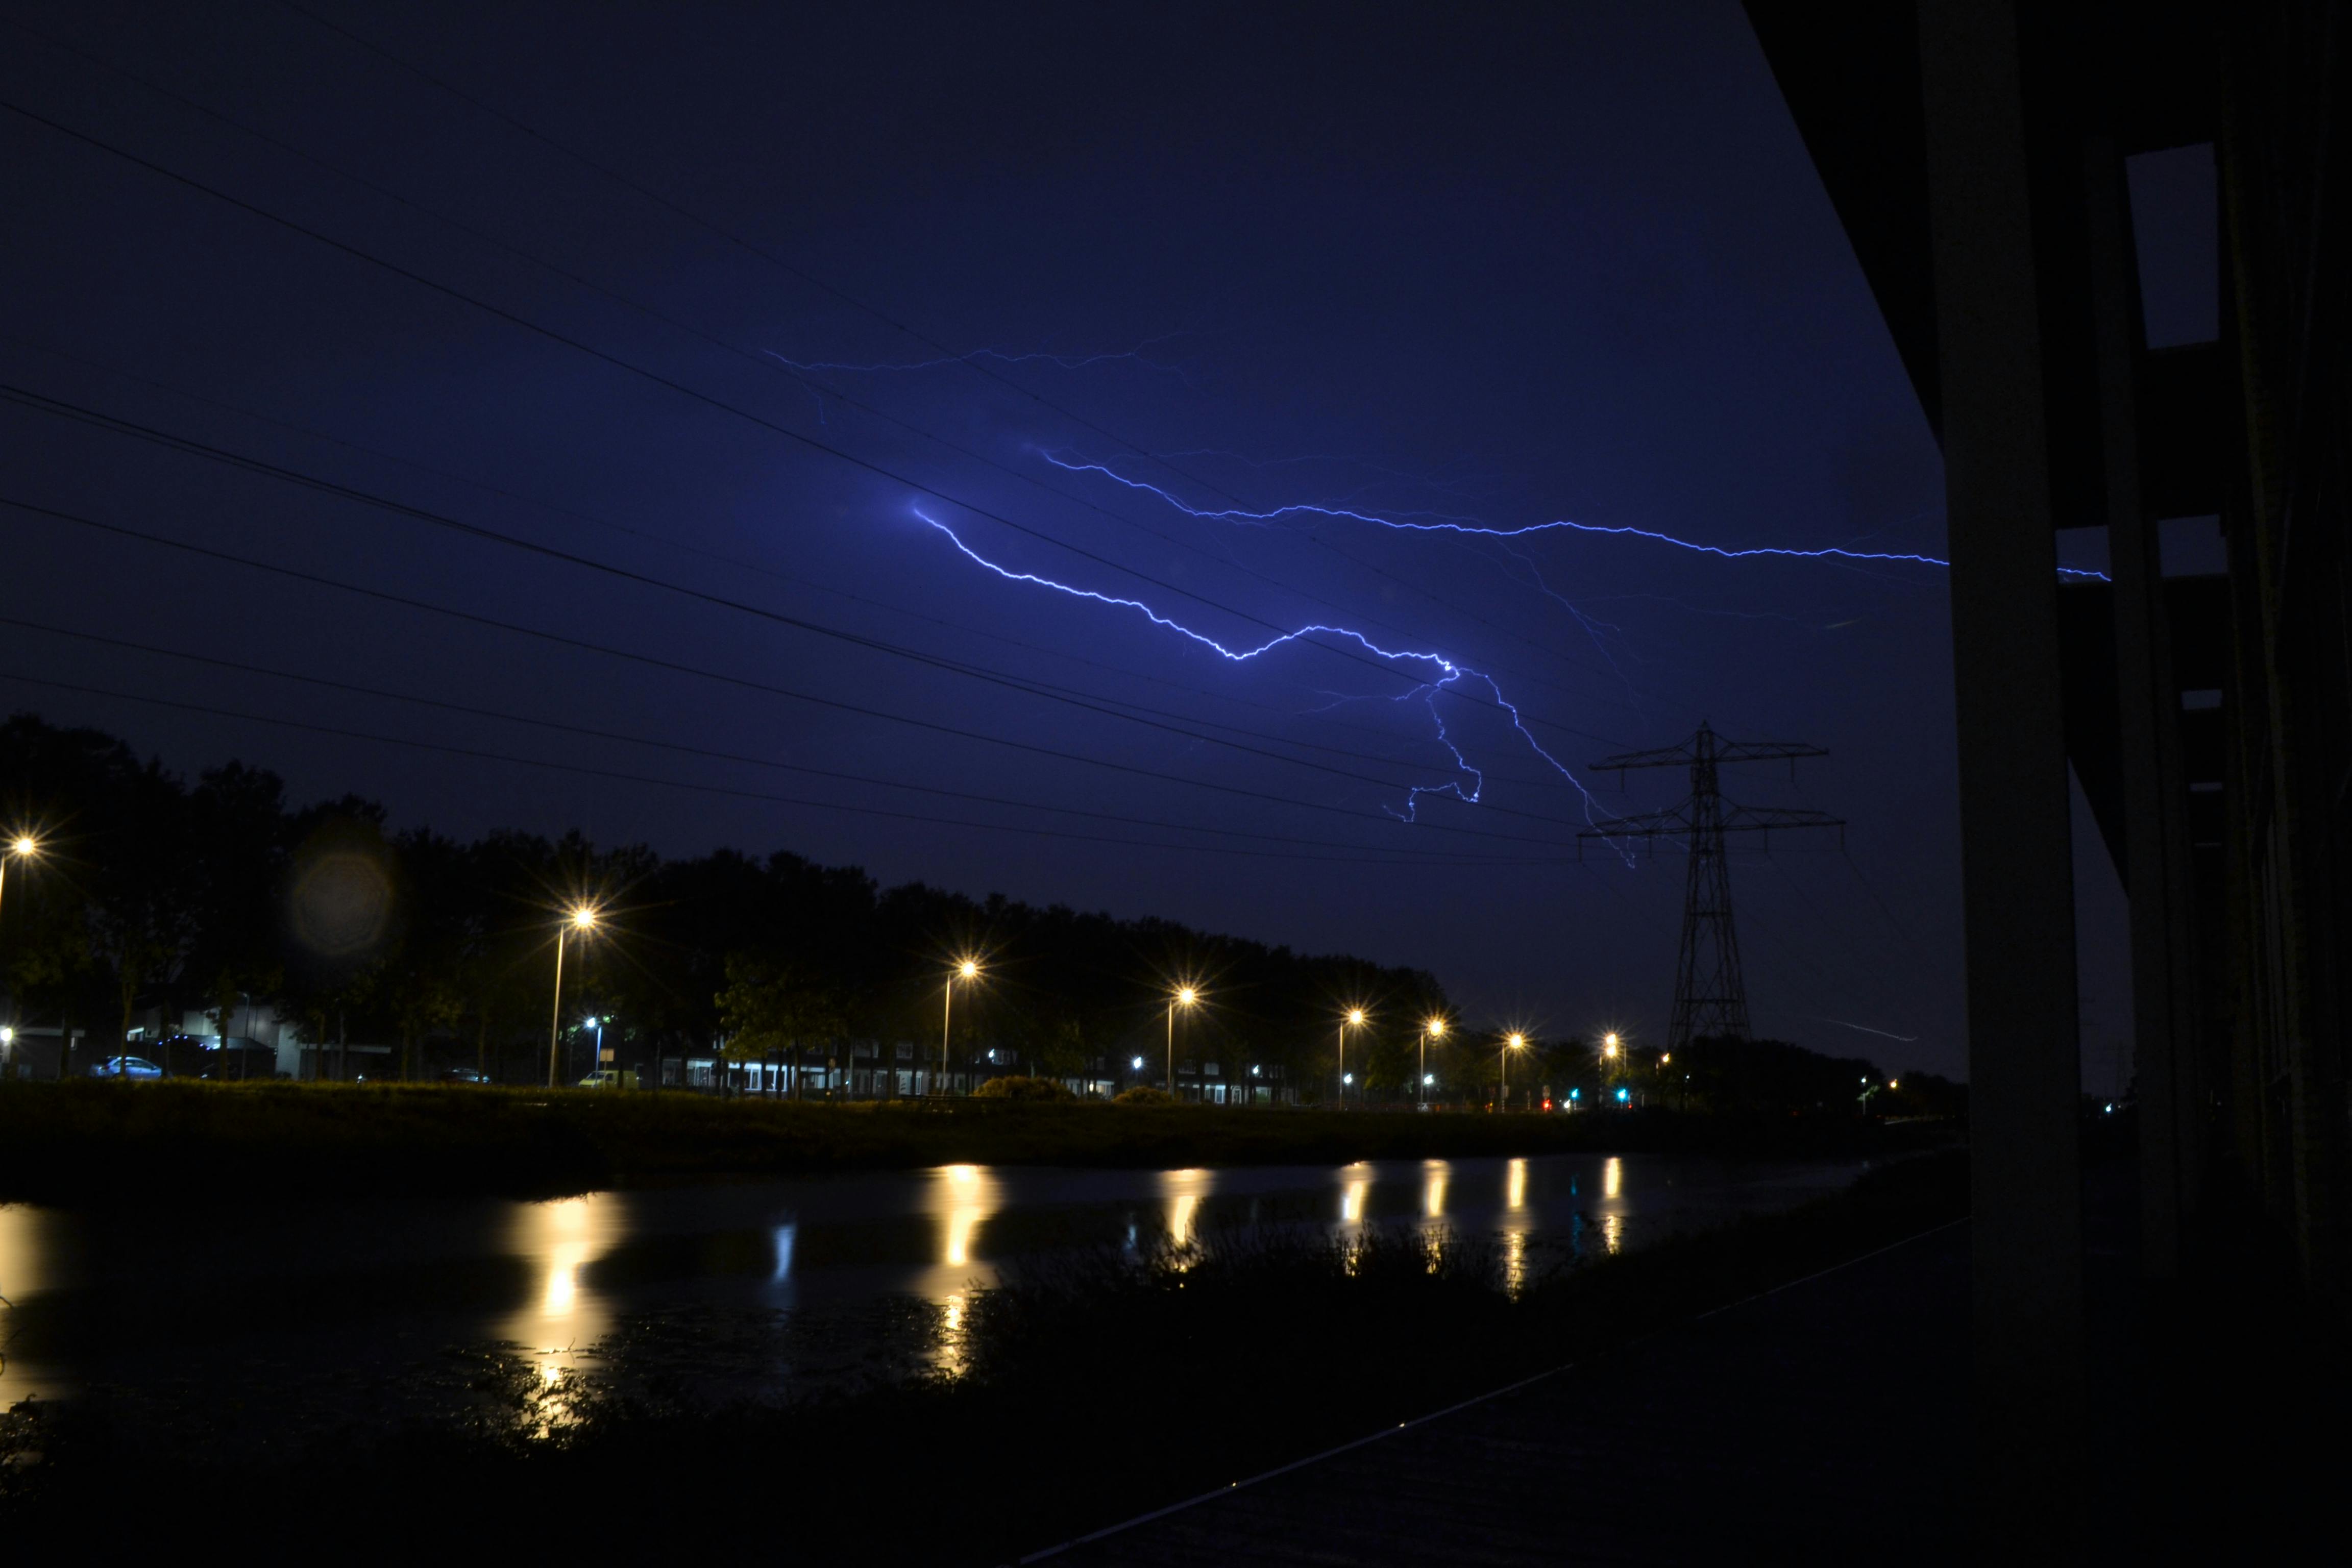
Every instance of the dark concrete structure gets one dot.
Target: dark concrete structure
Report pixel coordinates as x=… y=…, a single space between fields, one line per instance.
x=1982 y=155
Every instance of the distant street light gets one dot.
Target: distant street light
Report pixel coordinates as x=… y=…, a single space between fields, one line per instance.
x=967 y=969
x=1513 y=1043
x=1431 y=1029
x=24 y=846
x=583 y=919
x=1354 y=1016
x=1182 y=996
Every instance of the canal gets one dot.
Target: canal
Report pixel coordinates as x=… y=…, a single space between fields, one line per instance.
x=306 y=1313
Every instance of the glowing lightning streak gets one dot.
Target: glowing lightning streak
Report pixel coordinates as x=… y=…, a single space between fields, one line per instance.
x=1427 y=691
x=1414 y=523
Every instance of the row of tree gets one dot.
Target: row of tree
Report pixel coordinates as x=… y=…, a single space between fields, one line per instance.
x=149 y=893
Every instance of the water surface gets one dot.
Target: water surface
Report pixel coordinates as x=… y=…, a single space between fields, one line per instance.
x=349 y=1307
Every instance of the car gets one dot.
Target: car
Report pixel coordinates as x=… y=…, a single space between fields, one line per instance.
x=463 y=1075
x=611 y=1077
x=138 y=1069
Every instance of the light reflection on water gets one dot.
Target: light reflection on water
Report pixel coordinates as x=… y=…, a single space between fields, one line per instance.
x=1184 y=1191
x=561 y=1239
x=572 y=1285
x=963 y=1198
x=31 y=1265
x=1613 y=1220
x=1515 y=1224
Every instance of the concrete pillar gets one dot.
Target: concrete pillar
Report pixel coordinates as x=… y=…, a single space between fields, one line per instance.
x=2156 y=807
x=2024 y=1071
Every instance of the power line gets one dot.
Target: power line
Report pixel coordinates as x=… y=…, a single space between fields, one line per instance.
x=739 y=563
x=619 y=775
x=876 y=313
x=42 y=403
x=679 y=388
x=761 y=360
x=770 y=363
x=745 y=682
x=592 y=734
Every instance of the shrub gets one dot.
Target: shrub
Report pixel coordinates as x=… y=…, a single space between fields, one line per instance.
x=1144 y=1094
x=1013 y=1085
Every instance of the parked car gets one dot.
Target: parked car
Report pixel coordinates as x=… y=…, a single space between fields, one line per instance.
x=136 y=1069
x=611 y=1077
x=463 y=1075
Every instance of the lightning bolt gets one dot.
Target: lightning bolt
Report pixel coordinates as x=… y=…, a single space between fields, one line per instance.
x=1438 y=522
x=1443 y=674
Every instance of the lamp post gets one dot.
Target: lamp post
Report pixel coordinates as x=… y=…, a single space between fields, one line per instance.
x=24 y=846
x=966 y=969
x=1182 y=996
x=583 y=919
x=1433 y=1030
x=1354 y=1016
x=1513 y=1043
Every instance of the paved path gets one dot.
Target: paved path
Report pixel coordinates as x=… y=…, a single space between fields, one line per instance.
x=1823 y=1423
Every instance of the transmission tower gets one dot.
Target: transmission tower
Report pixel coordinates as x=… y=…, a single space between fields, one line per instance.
x=1710 y=997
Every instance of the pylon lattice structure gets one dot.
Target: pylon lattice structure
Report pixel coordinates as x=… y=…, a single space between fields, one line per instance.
x=1711 y=995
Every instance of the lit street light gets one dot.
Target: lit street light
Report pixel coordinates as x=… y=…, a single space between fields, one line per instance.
x=1354 y=1016
x=24 y=846
x=1514 y=1043
x=583 y=919
x=1182 y=996
x=968 y=971
x=1433 y=1030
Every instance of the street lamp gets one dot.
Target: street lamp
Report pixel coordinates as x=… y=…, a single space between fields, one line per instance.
x=1354 y=1016
x=1182 y=996
x=968 y=971
x=583 y=919
x=24 y=846
x=1513 y=1043
x=1433 y=1029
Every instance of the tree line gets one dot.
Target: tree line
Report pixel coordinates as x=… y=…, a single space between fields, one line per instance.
x=153 y=891
x=216 y=894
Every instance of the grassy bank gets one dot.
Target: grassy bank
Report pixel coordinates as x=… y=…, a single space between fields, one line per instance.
x=80 y=1142
x=1094 y=1390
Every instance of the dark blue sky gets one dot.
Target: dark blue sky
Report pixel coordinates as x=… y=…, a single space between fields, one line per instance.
x=1571 y=267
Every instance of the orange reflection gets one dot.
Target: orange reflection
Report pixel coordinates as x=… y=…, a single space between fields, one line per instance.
x=1351 y=1196
x=1184 y=1190
x=965 y=1197
x=565 y=1317
x=1516 y=1222
x=30 y=1262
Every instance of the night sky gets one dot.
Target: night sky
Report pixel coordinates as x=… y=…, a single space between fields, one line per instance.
x=1389 y=260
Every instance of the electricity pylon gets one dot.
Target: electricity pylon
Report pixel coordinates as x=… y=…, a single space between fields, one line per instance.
x=1710 y=996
